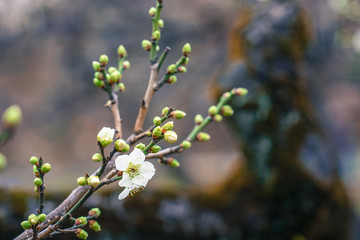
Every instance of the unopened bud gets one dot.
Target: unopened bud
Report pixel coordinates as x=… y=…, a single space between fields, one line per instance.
x=152 y=12
x=33 y=219
x=126 y=65
x=217 y=118
x=212 y=110
x=81 y=220
x=36 y=171
x=81 y=233
x=103 y=59
x=177 y=114
x=171 y=69
x=155 y=148
x=146 y=44
x=140 y=146
x=186 y=50
x=82 y=181
x=42 y=217
x=36 y=189
x=94 y=212
x=97 y=157
x=96 y=65
x=157 y=121
x=241 y=92
x=12 y=116
x=45 y=168
x=172 y=162
x=115 y=76
x=156 y=35
x=227 y=111
x=121 y=87
x=121 y=145
x=94 y=225
x=172 y=79
x=157 y=132
x=2 y=161
x=97 y=82
x=121 y=51
x=25 y=225
x=182 y=69
x=186 y=144
x=165 y=111
x=93 y=181
x=111 y=69
x=168 y=126
x=38 y=182
x=202 y=137
x=170 y=136
x=34 y=160
x=198 y=119
x=161 y=23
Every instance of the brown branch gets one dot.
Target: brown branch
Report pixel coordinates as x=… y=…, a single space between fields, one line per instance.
x=147 y=98
x=165 y=152
x=117 y=119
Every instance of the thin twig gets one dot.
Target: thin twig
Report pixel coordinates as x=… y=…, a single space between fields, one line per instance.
x=117 y=119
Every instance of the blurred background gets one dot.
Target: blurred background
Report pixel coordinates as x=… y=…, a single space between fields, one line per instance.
x=300 y=61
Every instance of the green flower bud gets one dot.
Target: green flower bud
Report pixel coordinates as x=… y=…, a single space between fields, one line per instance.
x=202 y=137
x=120 y=145
x=212 y=110
x=146 y=44
x=121 y=51
x=172 y=79
x=25 y=225
x=155 y=148
x=182 y=69
x=168 y=126
x=99 y=75
x=148 y=133
x=34 y=160
x=157 y=48
x=241 y=92
x=42 y=217
x=186 y=144
x=170 y=136
x=97 y=157
x=156 y=35
x=226 y=95
x=93 y=181
x=45 y=168
x=157 y=132
x=121 y=87
x=2 y=161
x=198 y=119
x=177 y=114
x=152 y=12
x=81 y=233
x=36 y=189
x=218 y=118
x=82 y=181
x=94 y=225
x=186 y=50
x=115 y=76
x=103 y=59
x=38 y=182
x=165 y=111
x=174 y=163
x=161 y=23
x=36 y=171
x=112 y=69
x=171 y=69
x=140 y=146
x=227 y=111
x=157 y=121
x=96 y=65
x=94 y=212
x=81 y=220
x=97 y=82
x=12 y=116
x=33 y=219
x=126 y=65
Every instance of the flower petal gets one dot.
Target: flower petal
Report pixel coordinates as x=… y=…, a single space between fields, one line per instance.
x=140 y=180
x=124 y=194
x=125 y=181
x=147 y=170
x=122 y=162
x=137 y=156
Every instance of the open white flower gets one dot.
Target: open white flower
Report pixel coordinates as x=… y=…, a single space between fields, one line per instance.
x=136 y=172
x=105 y=136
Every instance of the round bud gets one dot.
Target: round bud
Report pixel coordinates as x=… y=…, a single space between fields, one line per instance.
x=146 y=44
x=227 y=111
x=178 y=114
x=155 y=148
x=140 y=146
x=182 y=69
x=115 y=76
x=168 y=126
x=157 y=48
x=161 y=23
x=156 y=35
x=174 y=163
x=12 y=116
x=171 y=69
x=120 y=145
x=82 y=181
x=202 y=137
x=126 y=65
x=186 y=50
x=94 y=225
x=172 y=79
x=81 y=220
x=170 y=136
x=218 y=118
x=186 y=144
x=198 y=119
x=121 y=51
x=241 y=92
x=81 y=233
x=94 y=212
x=121 y=87
x=42 y=217
x=93 y=181
x=165 y=111
x=157 y=121
x=97 y=82
x=103 y=59
x=36 y=171
x=33 y=219
x=2 y=161
x=96 y=65
x=25 y=225
x=212 y=110
x=45 y=168
x=152 y=12
x=38 y=182
x=97 y=157
x=112 y=69
x=157 y=132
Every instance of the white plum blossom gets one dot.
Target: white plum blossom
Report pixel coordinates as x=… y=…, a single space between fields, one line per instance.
x=105 y=136
x=136 y=172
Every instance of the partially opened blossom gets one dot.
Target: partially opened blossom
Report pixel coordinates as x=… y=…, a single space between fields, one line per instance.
x=105 y=136
x=136 y=172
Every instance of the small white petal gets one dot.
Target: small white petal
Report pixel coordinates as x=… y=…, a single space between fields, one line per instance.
x=122 y=162
x=137 y=156
x=140 y=180
x=124 y=194
x=147 y=170
x=125 y=181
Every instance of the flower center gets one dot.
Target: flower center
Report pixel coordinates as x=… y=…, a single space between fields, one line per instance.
x=133 y=169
